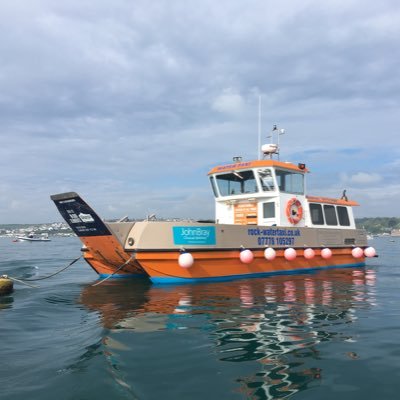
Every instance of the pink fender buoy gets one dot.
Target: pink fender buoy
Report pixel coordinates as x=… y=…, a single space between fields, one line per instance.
x=326 y=253
x=290 y=254
x=246 y=256
x=185 y=260
x=357 y=252
x=269 y=253
x=369 y=252
x=309 y=253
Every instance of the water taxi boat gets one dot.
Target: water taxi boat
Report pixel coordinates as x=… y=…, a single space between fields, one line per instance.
x=265 y=224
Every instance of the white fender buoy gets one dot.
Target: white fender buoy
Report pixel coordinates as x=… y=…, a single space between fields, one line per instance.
x=269 y=253
x=369 y=252
x=246 y=256
x=357 y=252
x=309 y=253
x=326 y=253
x=185 y=260
x=6 y=285
x=290 y=254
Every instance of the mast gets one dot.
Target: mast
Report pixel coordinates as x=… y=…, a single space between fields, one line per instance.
x=259 y=128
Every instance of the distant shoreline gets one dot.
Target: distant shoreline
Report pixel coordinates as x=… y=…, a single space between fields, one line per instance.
x=52 y=229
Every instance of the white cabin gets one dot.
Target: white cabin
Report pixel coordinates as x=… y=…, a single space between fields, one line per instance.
x=273 y=193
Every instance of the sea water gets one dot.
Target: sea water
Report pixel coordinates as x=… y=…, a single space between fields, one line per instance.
x=325 y=335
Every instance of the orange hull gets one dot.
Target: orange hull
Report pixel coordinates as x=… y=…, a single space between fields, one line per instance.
x=105 y=255
x=163 y=267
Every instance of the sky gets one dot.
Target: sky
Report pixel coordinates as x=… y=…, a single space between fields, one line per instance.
x=131 y=103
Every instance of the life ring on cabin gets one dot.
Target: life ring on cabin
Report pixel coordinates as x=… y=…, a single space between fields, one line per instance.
x=294 y=211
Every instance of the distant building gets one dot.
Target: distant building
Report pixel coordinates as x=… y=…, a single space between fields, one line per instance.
x=395 y=232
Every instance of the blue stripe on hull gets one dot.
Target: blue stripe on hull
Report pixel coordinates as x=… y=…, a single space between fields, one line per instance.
x=175 y=280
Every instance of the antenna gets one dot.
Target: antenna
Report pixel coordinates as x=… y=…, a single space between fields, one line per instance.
x=270 y=149
x=259 y=127
x=280 y=132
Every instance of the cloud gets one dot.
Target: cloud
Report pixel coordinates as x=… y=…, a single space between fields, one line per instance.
x=139 y=97
x=362 y=178
x=229 y=101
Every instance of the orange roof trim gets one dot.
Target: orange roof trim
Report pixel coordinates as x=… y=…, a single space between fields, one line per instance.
x=328 y=200
x=257 y=164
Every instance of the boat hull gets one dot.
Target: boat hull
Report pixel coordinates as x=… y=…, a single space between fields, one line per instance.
x=163 y=267
x=106 y=255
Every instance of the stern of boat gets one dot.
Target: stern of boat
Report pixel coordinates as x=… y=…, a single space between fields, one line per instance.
x=102 y=248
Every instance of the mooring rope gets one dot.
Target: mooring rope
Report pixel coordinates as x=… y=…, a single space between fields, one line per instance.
x=55 y=273
x=118 y=269
x=23 y=281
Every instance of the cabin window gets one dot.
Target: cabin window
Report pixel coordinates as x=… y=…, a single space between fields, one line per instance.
x=343 y=215
x=237 y=182
x=214 y=188
x=269 y=210
x=290 y=182
x=266 y=179
x=317 y=217
x=330 y=215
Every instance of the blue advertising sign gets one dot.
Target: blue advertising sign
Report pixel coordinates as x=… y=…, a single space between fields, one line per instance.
x=195 y=235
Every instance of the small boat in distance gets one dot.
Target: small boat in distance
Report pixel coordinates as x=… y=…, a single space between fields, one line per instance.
x=32 y=237
x=265 y=224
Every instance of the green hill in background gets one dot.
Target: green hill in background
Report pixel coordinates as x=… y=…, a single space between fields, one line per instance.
x=378 y=225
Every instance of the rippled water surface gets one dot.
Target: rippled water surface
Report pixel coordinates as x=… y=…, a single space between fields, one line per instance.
x=324 y=336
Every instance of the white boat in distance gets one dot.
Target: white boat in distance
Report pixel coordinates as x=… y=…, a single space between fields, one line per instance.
x=44 y=237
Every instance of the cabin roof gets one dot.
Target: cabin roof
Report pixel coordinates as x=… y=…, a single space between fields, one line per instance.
x=328 y=200
x=257 y=164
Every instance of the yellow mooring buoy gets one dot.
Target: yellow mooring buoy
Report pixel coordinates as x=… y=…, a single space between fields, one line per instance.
x=6 y=285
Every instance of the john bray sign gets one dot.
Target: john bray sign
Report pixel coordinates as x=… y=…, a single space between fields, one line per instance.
x=194 y=235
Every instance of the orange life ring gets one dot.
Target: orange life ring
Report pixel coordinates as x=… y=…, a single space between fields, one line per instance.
x=294 y=211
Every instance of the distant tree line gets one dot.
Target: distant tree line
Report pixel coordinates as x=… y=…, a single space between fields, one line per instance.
x=378 y=225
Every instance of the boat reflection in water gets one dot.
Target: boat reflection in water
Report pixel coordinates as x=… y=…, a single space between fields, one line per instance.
x=276 y=324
